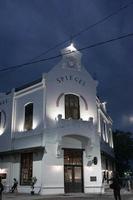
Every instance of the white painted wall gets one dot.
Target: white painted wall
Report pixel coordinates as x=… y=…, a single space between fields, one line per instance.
x=6 y=106
x=51 y=133
x=35 y=97
x=88 y=91
x=53 y=172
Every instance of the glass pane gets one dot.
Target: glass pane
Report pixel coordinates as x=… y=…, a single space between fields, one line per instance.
x=77 y=174
x=77 y=160
x=75 y=114
x=28 y=116
x=68 y=159
x=73 y=157
x=26 y=168
x=68 y=174
x=72 y=106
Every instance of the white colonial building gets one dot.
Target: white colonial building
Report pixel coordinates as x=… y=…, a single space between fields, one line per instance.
x=57 y=130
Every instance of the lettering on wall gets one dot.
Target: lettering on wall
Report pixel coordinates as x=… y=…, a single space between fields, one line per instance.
x=74 y=78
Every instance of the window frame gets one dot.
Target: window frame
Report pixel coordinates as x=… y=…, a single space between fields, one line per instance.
x=28 y=120
x=23 y=156
x=71 y=107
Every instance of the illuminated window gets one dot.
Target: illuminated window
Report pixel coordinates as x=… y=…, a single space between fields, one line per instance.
x=72 y=109
x=106 y=132
x=103 y=129
x=2 y=121
x=110 y=138
x=26 y=168
x=28 y=116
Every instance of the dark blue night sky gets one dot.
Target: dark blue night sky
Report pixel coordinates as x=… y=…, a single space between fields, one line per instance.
x=30 y=27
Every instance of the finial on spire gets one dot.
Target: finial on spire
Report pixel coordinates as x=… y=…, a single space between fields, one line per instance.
x=71 y=57
x=71 y=47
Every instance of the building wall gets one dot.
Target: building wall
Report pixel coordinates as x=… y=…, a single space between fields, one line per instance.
x=65 y=81
x=21 y=99
x=5 y=129
x=32 y=138
x=51 y=131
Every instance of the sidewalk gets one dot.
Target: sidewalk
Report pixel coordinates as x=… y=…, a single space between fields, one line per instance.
x=79 y=196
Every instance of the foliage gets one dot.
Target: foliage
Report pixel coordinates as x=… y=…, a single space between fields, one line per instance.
x=123 y=148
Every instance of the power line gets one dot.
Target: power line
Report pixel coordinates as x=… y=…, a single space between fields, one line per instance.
x=59 y=55
x=75 y=35
x=84 y=30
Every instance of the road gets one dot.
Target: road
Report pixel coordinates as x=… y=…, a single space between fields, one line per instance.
x=108 y=196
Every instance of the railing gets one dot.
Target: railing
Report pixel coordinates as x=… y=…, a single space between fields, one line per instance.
x=77 y=123
x=21 y=134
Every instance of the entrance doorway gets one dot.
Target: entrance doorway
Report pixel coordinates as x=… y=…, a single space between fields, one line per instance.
x=73 y=170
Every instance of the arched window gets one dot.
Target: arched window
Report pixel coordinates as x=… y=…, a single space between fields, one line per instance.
x=28 y=121
x=72 y=109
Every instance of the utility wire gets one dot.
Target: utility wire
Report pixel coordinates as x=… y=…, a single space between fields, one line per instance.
x=73 y=36
x=84 y=30
x=59 y=55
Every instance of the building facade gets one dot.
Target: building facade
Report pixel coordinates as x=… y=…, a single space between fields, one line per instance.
x=57 y=130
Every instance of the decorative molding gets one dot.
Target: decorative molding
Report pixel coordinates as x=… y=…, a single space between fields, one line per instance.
x=85 y=102
x=60 y=96
x=88 y=148
x=58 y=99
x=59 y=152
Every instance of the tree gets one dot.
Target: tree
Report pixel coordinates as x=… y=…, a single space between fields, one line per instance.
x=123 y=148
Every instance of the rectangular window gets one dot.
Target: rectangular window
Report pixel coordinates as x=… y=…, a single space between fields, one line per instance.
x=28 y=116
x=26 y=168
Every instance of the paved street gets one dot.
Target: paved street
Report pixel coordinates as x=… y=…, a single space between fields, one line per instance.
x=107 y=196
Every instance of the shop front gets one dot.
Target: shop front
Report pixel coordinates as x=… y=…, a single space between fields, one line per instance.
x=73 y=170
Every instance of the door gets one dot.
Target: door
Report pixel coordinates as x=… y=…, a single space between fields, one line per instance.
x=73 y=171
